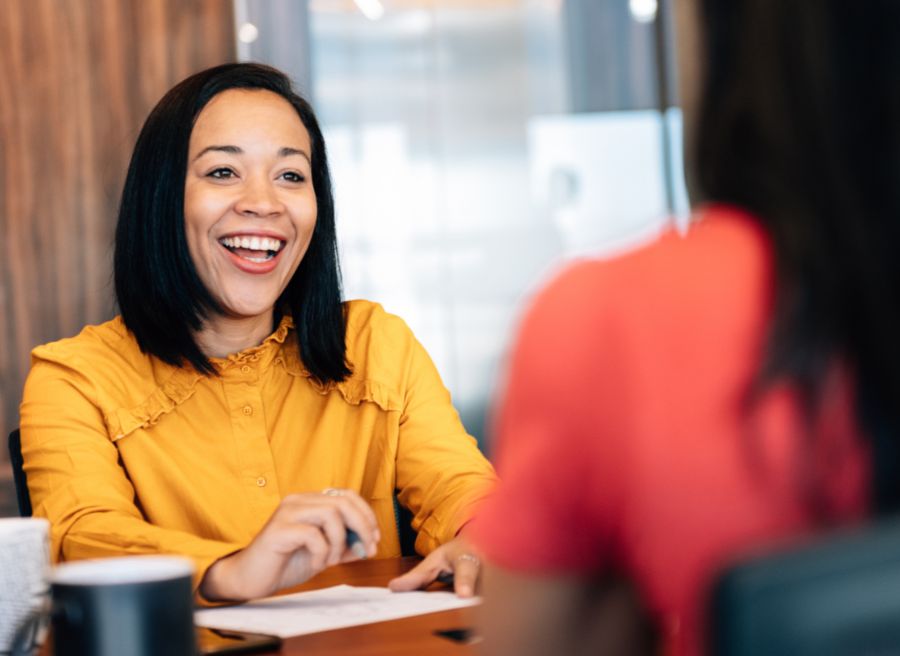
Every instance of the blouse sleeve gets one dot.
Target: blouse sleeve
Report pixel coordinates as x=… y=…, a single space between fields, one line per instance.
x=441 y=474
x=76 y=482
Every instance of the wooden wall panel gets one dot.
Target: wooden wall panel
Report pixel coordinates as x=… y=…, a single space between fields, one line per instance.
x=77 y=79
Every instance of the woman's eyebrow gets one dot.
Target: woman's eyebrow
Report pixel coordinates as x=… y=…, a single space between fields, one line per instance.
x=234 y=150
x=285 y=151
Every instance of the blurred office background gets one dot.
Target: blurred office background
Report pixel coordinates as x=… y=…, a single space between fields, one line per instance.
x=475 y=145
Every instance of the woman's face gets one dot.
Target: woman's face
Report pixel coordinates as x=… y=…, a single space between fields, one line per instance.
x=249 y=202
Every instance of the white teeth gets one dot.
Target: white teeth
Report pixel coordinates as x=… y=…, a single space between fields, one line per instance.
x=253 y=243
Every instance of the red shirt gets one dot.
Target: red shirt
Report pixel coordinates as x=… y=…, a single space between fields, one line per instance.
x=624 y=439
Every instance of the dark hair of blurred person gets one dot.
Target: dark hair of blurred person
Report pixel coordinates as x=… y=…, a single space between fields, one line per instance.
x=799 y=116
x=160 y=295
x=671 y=409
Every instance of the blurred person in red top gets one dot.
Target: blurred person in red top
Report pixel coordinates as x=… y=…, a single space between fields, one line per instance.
x=668 y=410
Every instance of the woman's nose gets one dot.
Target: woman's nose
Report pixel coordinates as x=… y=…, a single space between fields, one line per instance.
x=259 y=198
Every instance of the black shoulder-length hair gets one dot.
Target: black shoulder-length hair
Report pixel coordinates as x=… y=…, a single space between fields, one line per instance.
x=160 y=295
x=799 y=122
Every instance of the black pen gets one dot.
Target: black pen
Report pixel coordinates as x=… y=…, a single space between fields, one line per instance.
x=446 y=578
x=355 y=544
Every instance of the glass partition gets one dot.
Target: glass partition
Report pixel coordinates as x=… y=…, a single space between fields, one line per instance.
x=476 y=146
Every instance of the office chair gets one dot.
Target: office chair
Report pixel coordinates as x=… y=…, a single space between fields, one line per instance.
x=403 y=517
x=839 y=596
x=15 y=459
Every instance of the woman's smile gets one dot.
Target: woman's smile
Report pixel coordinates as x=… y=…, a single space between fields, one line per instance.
x=255 y=249
x=252 y=252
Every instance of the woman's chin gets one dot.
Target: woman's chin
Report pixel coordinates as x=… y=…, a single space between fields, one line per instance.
x=247 y=310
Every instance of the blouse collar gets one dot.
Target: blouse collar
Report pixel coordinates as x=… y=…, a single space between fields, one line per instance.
x=264 y=353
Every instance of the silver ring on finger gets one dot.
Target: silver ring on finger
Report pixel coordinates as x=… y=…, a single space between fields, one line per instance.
x=472 y=558
x=333 y=492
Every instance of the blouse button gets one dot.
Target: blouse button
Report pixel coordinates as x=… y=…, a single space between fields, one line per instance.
x=247 y=410
x=261 y=481
x=246 y=369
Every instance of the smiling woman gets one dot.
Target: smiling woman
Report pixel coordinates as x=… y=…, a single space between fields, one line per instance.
x=249 y=210
x=236 y=387
x=204 y=146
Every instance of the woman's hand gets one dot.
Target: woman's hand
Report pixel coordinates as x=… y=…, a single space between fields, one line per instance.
x=305 y=534
x=456 y=557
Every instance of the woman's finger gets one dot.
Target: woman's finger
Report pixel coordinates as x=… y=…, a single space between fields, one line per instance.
x=355 y=501
x=331 y=521
x=466 y=570
x=357 y=515
x=334 y=513
x=423 y=573
x=314 y=542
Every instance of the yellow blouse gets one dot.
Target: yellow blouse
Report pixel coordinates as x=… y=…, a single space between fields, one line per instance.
x=125 y=454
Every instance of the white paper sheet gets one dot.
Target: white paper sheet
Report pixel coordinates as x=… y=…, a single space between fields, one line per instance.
x=329 y=608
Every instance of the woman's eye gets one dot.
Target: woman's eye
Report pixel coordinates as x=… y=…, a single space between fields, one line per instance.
x=221 y=173
x=293 y=176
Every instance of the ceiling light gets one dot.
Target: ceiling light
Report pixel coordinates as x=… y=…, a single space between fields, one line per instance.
x=643 y=11
x=248 y=33
x=371 y=9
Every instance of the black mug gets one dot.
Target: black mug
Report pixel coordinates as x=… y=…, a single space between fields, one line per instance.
x=130 y=606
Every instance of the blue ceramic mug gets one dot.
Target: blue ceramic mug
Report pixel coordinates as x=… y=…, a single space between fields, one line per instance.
x=129 y=606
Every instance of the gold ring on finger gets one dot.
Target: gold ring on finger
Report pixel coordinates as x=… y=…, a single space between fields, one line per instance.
x=472 y=558
x=333 y=492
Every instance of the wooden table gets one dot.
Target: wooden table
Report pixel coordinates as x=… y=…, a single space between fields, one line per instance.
x=412 y=636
